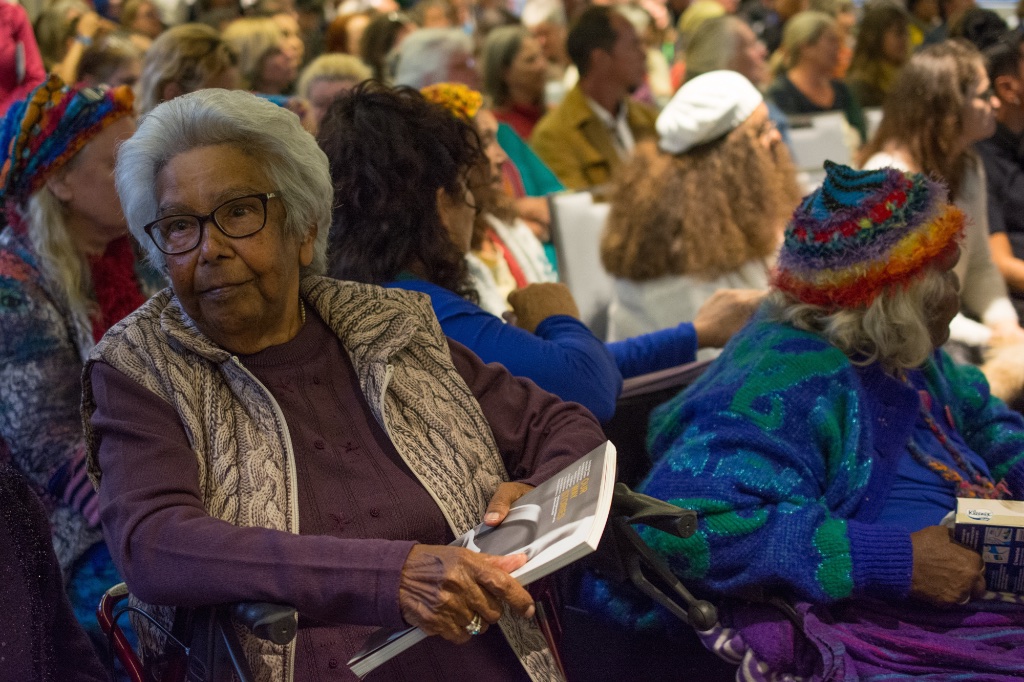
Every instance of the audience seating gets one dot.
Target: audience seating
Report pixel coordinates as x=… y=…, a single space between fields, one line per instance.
x=576 y=226
x=628 y=427
x=873 y=116
x=816 y=139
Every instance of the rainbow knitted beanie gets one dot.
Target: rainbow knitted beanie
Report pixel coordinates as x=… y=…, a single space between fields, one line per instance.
x=864 y=231
x=44 y=131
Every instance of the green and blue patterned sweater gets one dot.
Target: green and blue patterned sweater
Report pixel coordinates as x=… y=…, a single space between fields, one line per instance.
x=787 y=450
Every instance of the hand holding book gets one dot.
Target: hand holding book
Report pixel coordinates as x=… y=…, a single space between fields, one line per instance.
x=443 y=587
x=501 y=502
x=536 y=532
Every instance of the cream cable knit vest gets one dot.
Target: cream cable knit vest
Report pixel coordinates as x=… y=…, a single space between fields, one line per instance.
x=246 y=463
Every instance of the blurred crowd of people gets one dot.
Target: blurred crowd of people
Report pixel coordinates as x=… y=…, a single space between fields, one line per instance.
x=449 y=129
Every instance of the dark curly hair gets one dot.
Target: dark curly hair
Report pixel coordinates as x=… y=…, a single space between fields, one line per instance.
x=390 y=150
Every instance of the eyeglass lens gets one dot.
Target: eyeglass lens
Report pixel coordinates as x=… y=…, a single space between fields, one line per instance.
x=237 y=218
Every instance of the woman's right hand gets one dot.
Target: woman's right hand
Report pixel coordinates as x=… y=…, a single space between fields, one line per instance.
x=442 y=588
x=534 y=303
x=945 y=573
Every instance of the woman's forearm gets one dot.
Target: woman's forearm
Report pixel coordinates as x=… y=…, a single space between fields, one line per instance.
x=171 y=551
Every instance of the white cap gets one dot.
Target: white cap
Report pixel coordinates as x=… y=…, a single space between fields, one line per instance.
x=706 y=108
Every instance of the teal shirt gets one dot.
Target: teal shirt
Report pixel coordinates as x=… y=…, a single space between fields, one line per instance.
x=538 y=180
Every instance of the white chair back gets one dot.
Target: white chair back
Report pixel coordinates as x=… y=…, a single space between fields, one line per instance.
x=873 y=117
x=822 y=138
x=576 y=226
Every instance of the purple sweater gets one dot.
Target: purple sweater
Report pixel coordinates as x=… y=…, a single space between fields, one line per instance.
x=360 y=508
x=41 y=641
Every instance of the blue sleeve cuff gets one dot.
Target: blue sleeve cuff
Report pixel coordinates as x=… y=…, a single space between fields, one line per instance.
x=882 y=558
x=655 y=351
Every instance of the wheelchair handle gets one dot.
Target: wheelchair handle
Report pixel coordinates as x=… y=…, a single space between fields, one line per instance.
x=640 y=508
x=272 y=622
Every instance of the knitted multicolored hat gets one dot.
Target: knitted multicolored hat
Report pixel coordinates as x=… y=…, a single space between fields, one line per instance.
x=457 y=98
x=44 y=131
x=863 y=231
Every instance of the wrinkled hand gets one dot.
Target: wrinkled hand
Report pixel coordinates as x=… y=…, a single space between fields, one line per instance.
x=945 y=573
x=724 y=314
x=442 y=588
x=534 y=303
x=504 y=496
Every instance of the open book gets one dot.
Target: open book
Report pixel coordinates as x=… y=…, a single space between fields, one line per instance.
x=556 y=523
x=995 y=530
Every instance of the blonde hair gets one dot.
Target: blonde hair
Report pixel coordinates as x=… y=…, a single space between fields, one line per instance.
x=332 y=67
x=695 y=17
x=253 y=39
x=893 y=330
x=806 y=28
x=53 y=29
x=703 y=213
x=188 y=55
x=62 y=265
x=713 y=46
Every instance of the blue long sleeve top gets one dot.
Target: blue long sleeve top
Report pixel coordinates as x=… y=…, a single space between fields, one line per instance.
x=563 y=357
x=788 y=453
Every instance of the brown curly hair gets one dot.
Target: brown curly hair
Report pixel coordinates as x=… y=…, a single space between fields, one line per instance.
x=703 y=213
x=924 y=111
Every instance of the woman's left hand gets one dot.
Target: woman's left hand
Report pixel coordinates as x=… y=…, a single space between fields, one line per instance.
x=504 y=496
x=442 y=588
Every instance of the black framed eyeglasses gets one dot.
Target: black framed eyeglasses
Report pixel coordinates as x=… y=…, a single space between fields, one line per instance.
x=237 y=218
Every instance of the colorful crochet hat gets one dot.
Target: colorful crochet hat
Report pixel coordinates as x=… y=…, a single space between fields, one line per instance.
x=42 y=132
x=863 y=231
x=457 y=98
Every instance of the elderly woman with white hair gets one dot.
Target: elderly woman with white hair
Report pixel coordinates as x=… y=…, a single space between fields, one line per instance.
x=259 y=432
x=824 y=448
x=325 y=78
x=436 y=55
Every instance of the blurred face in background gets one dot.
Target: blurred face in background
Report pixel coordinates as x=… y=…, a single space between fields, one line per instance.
x=292 y=44
x=85 y=188
x=823 y=54
x=629 y=59
x=487 y=128
x=896 y=44
x=277 y=72
x=147 y=21
x=751 y=56
x=551 y=38
x=127 y=73
x=528 y=70
x=322 y=93
x=979 y=121
x=462 y=69
x=926 y=10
